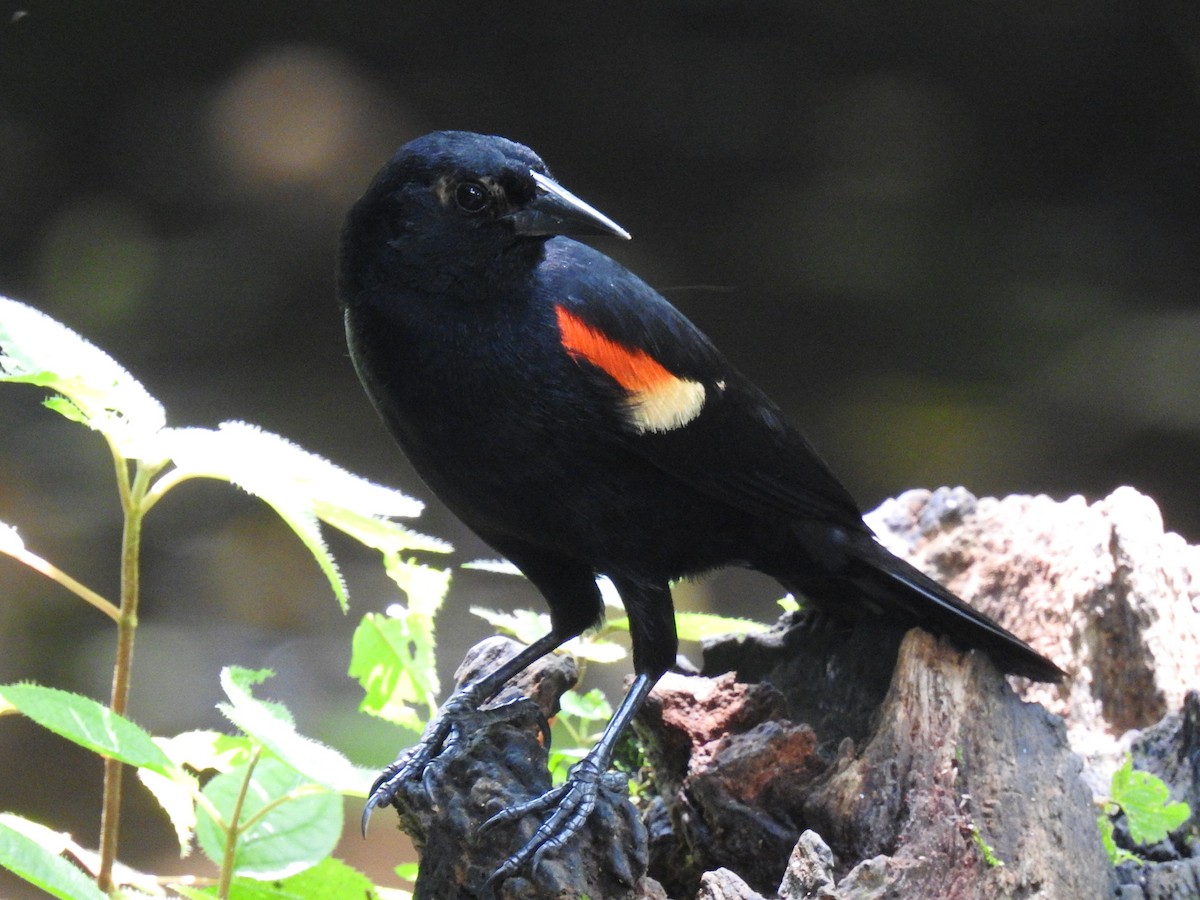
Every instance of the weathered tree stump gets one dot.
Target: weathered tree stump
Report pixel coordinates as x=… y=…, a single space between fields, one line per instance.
x=956 y=762
x=836 y=762
x=502 y=764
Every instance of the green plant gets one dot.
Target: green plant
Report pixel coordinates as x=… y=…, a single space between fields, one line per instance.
x=986 y=850
x=1145 y=801
x=264 y=804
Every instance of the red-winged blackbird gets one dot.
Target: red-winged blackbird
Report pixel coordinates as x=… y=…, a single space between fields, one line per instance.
x=582 y=426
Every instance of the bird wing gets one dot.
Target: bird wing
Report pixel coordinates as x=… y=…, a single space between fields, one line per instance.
x=686 y=409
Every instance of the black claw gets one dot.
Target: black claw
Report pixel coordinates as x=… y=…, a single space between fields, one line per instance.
x=569 y=805
x=366 y=814
x=383 y=792
x=427 y=780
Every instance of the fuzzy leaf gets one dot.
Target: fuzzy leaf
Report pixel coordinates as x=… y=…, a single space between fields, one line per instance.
x=392 y=656
x=694 y=626
x=291 y=837
x=1146 y=802
x=303 y=488
x=528 y=626
x=33 y=851
x=92 y=387
x=91 y=725
x=271 y=725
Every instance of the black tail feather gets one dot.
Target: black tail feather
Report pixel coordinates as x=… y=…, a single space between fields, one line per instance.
x=892 y=582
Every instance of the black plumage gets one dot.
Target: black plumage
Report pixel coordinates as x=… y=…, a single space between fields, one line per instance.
x=582 y=426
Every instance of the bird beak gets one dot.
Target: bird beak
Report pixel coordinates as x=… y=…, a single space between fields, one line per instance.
x=555 y=210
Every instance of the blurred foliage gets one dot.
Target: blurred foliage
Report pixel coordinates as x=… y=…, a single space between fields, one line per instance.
x=957 y=242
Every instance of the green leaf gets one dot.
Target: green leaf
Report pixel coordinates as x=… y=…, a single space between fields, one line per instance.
x=986 y=850
x=32 y=851
x=527 y=626
x=289 y=838
x=93 y=388
x=303 y=488
x=10 y=542
x=330 y=879
x=788 y=603
x=194 y=893
x=392 y=657
x=177 y=797
x=523 y=624
x=1116 y=855
x=495 y=566
x=592 y=706
x=1146 y=802
x=200 y=751
x=85 y=722
x=694 y=626
x=271 y=725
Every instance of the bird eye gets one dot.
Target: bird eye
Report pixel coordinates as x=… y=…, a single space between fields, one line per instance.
x=472 y=197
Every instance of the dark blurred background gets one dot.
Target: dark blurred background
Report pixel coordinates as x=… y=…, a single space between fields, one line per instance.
x=957 y=241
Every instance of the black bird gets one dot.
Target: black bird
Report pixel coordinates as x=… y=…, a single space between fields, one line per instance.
x=582 y=426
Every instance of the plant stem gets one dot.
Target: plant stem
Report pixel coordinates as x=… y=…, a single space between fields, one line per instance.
x=54 y=573
x=131 y=539
x=235 y=829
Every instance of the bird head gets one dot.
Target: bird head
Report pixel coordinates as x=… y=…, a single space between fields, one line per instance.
x=453 y=203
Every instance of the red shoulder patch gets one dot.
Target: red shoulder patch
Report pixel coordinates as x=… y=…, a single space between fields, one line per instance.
x=632 y=369
x=658 y=400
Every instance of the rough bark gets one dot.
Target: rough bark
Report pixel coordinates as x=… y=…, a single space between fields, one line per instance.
x=500 y=764
x=956 y=761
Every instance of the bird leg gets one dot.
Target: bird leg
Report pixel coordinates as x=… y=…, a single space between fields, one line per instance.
x=570 y=804
x=447 y=730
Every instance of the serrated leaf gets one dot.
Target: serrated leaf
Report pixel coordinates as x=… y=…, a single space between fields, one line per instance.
x=200 y=751
x=1146 y=803
x=85 y=722
x=424 y=586
x=302 y=487
x=271 y=725
x=177 y=798
x=527 y=626
x=291 y=837
x=35 y=349
x=495 y=566
x=523 y=624
x=267 y=463
x=381 y=534
x=194 y=893
x=694 y=626
x=203 y=750
x=39 y=862
x=392 y=658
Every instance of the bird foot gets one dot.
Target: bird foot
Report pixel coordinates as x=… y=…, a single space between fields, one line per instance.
x=569 y=806
x=444 y=738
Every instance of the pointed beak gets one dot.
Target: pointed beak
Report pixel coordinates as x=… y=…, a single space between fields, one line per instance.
x=555 y=210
